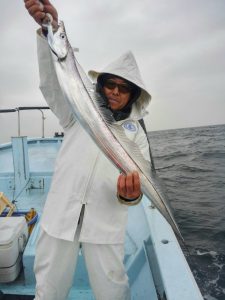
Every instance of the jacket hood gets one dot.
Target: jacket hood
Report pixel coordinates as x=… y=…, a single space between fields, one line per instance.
x=126 y=67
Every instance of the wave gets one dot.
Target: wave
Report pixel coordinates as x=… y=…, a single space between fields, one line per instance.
x=214 y=154
x=187 y=168
x=211 y=280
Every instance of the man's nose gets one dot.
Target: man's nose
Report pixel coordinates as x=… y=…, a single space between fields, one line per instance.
x=116 y=90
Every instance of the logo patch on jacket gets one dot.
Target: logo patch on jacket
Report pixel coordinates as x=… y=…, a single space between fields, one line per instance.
x=129 y=125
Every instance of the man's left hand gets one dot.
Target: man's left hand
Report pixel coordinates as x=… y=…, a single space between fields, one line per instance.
x=129 y=186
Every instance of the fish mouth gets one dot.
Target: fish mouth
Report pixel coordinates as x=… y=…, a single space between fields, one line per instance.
x=57 y=41
x=61 y=55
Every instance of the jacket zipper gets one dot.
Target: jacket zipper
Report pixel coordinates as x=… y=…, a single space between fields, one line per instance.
x=90 y=180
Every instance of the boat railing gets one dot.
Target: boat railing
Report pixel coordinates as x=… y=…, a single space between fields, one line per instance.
x=22 y=108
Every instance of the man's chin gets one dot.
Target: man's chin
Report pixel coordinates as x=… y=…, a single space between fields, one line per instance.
x=113 y=105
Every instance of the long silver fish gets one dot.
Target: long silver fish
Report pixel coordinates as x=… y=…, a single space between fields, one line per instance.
x=87 y=107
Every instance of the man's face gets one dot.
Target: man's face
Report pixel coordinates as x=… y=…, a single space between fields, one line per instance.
x=117 y=92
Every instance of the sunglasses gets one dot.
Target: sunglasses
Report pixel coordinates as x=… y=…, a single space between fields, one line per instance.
x=123 y=87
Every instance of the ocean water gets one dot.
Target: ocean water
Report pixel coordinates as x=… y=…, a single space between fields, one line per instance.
x=191 y=162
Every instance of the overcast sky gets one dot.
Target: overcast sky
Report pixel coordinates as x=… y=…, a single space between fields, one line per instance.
x=179 y=46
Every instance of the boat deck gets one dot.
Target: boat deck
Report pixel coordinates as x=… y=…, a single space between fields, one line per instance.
x=154 y=261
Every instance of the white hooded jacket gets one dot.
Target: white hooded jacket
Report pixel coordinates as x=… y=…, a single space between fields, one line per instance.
x=83 y=175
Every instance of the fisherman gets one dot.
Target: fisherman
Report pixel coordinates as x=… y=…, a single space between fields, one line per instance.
x=87 y=204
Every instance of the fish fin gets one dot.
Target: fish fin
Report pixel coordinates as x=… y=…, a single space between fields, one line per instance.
x=131 y=148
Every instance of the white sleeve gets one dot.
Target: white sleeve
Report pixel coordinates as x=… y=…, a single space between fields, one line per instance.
x=49 y=84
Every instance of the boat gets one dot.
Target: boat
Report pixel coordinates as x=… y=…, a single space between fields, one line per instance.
x=155 y=263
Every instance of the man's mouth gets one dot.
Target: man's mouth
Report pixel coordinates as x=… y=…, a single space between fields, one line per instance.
x=112 y=100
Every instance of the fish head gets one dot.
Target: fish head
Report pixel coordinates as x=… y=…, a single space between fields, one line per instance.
x=58 y=41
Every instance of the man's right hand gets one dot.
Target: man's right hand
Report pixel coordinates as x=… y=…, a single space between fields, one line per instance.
x=38 y=9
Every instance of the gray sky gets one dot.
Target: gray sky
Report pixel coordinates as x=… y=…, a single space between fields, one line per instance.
x=179 y=46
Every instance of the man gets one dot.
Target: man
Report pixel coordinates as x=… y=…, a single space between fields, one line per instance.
x=86 y=204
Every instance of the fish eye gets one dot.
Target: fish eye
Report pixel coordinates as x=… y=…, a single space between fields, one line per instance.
x=62 y=35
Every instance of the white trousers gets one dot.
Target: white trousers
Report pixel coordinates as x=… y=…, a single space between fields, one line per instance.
x=55 y=264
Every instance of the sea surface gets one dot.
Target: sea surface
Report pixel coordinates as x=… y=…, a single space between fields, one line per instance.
x=191 y=162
